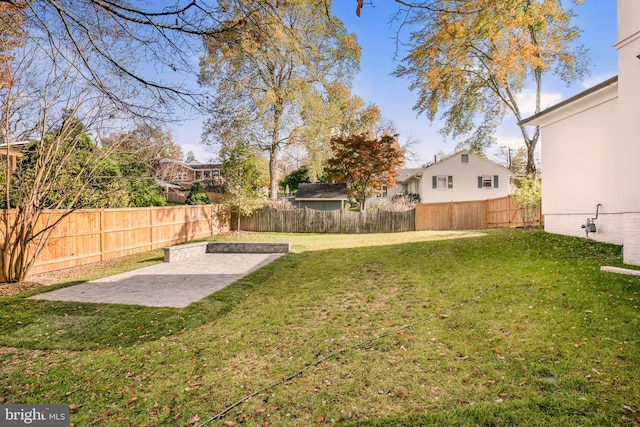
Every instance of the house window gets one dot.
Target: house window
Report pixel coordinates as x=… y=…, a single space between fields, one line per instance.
x=488 y=181
x=181 y=176
x=465 y=158
x=442 y=182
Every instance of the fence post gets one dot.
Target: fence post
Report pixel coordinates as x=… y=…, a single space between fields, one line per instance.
x=151 y=227
x=451 y=206
x=101 y=234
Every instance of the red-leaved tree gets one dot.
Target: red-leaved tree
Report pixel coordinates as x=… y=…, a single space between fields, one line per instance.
x=365 y=163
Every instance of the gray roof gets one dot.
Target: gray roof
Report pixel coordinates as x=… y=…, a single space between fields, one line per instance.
x=321 y=191
x=194 y=164
x=471 y=154
x=207 y=166
x=405 y=174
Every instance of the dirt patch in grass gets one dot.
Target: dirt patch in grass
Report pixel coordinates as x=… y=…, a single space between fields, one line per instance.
x=35 y=281
x=8 y=289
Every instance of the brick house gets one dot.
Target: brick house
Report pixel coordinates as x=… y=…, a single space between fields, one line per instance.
x=184 y=174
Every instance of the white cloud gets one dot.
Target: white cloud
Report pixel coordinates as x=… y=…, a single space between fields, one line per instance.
x=527 y=101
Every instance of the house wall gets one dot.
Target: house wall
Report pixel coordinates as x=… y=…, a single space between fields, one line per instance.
x=628 y=47
x=410 y=186
x=579 y=159
x=580 y=164
x=590 y=152
x=413 y=186
x=465 y=180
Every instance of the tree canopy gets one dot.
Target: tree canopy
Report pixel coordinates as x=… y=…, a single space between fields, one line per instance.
x=244 y=189
x=147 y=142
x=470 y=60
x=365 y=163
x=337 y=112
x=291 y=181
x=118 y=41
x=264 y=74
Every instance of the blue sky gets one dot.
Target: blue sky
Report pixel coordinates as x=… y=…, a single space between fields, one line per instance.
x=374 y=83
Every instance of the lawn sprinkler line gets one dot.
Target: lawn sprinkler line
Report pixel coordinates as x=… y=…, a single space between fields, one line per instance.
x=344 y=350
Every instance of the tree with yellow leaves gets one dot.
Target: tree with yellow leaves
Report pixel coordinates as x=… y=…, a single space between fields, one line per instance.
x=264 y=73
x=470 y=60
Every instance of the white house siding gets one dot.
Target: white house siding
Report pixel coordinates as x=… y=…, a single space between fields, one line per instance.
x=580 y=167
x=628 y=47
x=465 y=180
x=591 y=151
x=579 y=159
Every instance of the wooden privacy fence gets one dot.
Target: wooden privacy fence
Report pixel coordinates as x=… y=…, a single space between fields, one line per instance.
x=494 y=213
x=93 y=235
x=309 y=220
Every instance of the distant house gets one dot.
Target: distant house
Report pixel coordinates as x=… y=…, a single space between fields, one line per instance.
x=590 y=152
x=408 y=182
x=321 y=196
x=463 y=176
x=184 y=174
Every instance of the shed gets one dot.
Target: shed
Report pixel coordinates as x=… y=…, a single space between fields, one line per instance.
x=321 y=196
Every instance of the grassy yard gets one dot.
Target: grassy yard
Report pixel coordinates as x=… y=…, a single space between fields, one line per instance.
x=364 y=330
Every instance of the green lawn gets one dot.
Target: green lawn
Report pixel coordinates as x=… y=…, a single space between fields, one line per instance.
x=381 y=330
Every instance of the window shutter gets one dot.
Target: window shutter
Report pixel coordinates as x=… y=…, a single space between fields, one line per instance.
x=434 y=181
x=479 y=182
x=450 y=181
x=495 y=181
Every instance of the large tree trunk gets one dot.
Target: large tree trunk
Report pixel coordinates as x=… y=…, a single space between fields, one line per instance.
x=274 y=151
x=273 y=171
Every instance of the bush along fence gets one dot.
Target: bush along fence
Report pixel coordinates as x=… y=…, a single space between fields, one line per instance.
x=91 y=235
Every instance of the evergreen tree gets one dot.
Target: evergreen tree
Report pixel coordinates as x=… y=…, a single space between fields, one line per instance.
x=197 y=195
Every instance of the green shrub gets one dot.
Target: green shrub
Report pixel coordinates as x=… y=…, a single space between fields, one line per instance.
x=197 y=195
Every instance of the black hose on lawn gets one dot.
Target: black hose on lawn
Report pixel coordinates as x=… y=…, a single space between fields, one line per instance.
x=344 y=350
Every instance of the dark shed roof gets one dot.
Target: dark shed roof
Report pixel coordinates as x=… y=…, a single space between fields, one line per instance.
x=321 y=191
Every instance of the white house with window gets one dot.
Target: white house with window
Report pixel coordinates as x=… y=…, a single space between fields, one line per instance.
x=463 y=176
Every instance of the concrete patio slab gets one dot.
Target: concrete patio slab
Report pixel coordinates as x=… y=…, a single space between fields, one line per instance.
x=170 y=284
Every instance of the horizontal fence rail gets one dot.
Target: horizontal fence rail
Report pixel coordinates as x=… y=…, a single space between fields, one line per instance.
x=91 y=235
